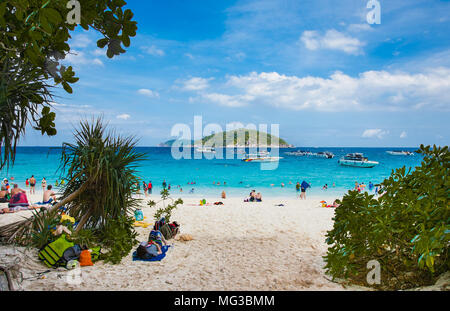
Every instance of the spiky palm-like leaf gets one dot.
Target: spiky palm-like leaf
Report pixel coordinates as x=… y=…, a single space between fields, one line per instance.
x=25 y=98
x=106 y=164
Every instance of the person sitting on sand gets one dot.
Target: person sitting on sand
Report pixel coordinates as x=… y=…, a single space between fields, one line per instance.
x=19 y=200
x=4 y=195
x=16 y=190
x=252 y=196
x=49 y=195
x=258 y=197
x=224 y=196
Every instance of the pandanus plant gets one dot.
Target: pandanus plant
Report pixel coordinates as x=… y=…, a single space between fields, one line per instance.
x=100 y=169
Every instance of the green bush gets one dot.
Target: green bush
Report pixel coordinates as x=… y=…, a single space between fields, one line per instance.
x=41 y=228
x=165 y=211
x=118 y=237
x=407 y=229
x=86 y=238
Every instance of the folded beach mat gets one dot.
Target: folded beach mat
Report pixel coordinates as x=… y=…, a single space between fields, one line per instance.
x=156 y=258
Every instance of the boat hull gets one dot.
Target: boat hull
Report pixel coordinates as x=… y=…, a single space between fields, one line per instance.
x=366 y=164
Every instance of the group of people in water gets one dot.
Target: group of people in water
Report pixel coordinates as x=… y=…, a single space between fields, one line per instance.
x=148 y=187
x=17 y=198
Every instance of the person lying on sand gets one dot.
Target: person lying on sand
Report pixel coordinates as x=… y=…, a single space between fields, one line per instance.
x=147 y=250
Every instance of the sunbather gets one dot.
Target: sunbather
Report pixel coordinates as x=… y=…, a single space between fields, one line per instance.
x=49 y=195
x=4 y=195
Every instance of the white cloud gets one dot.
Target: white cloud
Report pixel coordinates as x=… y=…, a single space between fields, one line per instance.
x=153 y=50
x=225 y=100
x=189 y=55
x=403 y=135
x=123 y=116
x=359 y=27
x=378 y=133
x=80 y=58
x=148 y=93
x=81 y=41
x=196 y=84
x=332 y=40
x=371 y=90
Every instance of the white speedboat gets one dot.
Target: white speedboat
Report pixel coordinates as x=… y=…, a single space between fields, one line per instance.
x=357 y=160
x=401 y=153
x=206 y=150
x=325 y=154
x=298 y=153
x=260 y=157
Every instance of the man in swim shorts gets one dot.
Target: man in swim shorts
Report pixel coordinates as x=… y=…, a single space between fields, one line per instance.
x=32 y=184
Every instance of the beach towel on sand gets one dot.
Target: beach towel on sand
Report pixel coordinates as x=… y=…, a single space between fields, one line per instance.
x=156 y=258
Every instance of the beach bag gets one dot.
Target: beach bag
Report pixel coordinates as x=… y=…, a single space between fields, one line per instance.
x=138 y=215
x=85 y=258
x=166 y=232
x=72 y=253
x=170 y=230
x=159 y=224
x=52 y=253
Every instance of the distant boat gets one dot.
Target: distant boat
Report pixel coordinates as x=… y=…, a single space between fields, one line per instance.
x=357 y=160
x=298 y=153
x=324 y=154
x=260 y=157
x=206 y=150
x=400 y=152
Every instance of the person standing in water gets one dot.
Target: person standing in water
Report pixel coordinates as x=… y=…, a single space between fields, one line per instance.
x=164 y=184
x=297 y=188
x=304 y=186
x=32 y=185
x=44 y=184
x=149 y=187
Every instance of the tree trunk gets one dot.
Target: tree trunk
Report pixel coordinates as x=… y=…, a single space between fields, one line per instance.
x=83 y=221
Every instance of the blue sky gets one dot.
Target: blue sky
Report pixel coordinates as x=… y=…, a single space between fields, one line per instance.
x=316 y=68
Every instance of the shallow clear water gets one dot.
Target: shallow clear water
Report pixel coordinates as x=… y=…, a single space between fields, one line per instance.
x=240 y=177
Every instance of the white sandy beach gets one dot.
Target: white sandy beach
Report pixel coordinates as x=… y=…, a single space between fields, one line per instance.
x=236 y=246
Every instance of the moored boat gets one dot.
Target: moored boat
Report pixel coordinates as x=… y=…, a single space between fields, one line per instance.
x=260 y=157
x=400 y=152
x=206 y=150
x=357 y=160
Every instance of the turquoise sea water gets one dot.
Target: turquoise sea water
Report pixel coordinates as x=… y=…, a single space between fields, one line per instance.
x=240 y=177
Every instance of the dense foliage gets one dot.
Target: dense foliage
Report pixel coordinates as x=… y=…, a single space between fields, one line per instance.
x=118 y=237
x=34 y=37
x=104 y=166
x=407 y=229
